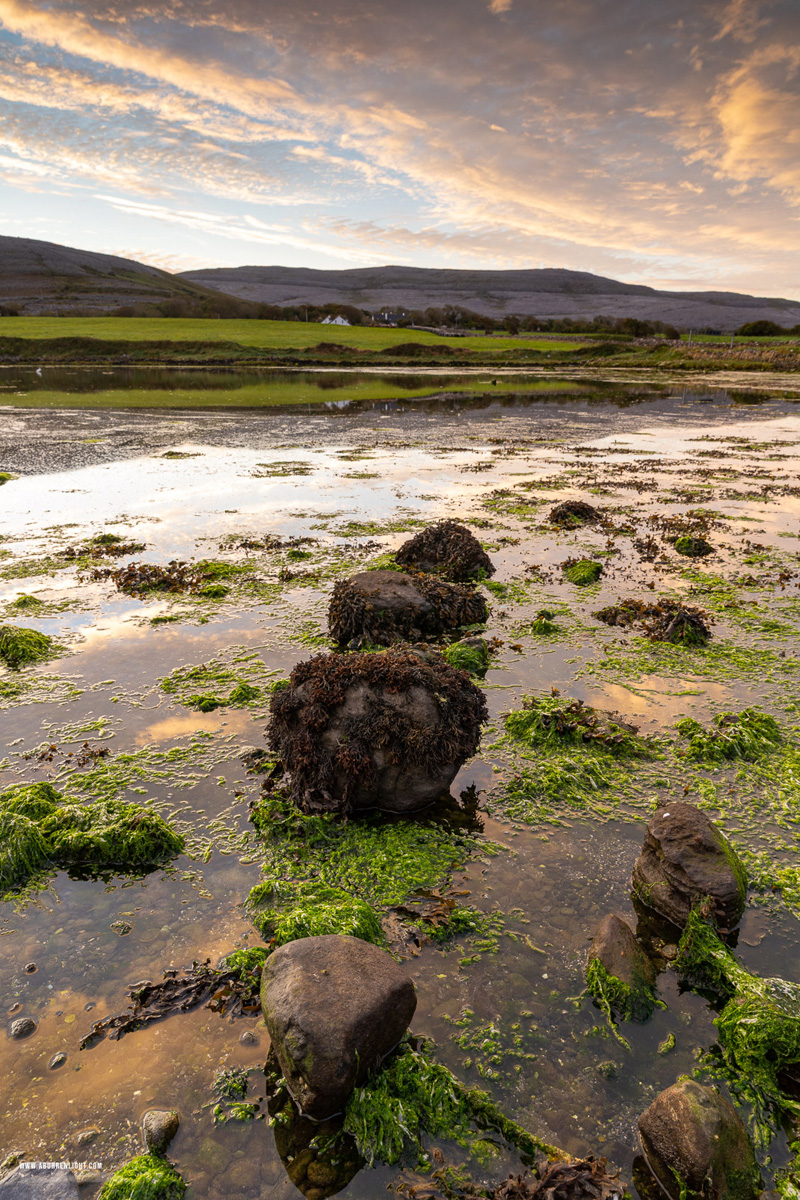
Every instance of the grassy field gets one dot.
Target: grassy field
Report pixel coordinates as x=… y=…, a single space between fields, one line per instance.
x=262 y=335
x=270 y=395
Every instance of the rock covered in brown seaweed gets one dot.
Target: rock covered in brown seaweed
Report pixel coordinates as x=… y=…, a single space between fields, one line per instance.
x=448 y=549
x=383 y=607
x=383 y=730
x=571 y=513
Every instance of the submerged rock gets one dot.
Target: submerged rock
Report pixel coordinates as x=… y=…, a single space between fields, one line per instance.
x=687 y=859
x=23 y=1027
x=620 y=971
x=696 y=1146
x=39 y=1183
x=386 y=730
x=571 y=513
x=334 y=1007
x=693 y=547
x=159 y=1126
x=446 y=548
x=383 y=607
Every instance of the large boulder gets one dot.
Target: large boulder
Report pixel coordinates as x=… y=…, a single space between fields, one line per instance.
x=695 y=1144
x=334 y=1007
x=622 y=973
x=384 y=730
x=39 y=1183
x=448 y=549
x=383 y=607
x=686 y=859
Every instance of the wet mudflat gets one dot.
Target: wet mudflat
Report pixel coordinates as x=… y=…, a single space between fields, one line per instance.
x=270 y=509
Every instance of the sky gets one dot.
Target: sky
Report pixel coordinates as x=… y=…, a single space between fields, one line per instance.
x=655 y=142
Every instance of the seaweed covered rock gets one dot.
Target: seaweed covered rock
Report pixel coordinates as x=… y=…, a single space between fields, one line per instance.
x=146 y=1177
x=446 y=548
x=582 y=571
x=692 y=546
x=686 y=859
x=334 y=1007
x=470 y=654
x=381 y=730
x=572 y=513
x=665 y=621
x=39 y=828
x=20 y=647
x=383 y=607
x=695 y=1144
x=619 y=974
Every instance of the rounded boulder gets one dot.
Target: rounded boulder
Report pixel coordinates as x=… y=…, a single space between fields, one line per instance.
x=384 y=730
x=384 y=607
x=696 y=1146
x=334 y=1007
x=686 y=860
x=448 y=549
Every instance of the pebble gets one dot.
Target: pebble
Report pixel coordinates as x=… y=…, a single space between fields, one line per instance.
x=23 y=1027
x=248 y=1038
x=57 y=1060
x=30 y=968
x=86 y=1137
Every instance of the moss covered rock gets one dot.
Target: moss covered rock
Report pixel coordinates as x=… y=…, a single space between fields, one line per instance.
x=686 y=860
x=144 y=1178
x=448 y=549
x=695 y=1144
x=20 y=647
x=384 y=607
x=329 y=1036
x=692 y=546
x=619 y=974
x=582 y=572
x=381 y=730
x=572 y=513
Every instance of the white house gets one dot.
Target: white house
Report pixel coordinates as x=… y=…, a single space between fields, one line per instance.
x=335 y=321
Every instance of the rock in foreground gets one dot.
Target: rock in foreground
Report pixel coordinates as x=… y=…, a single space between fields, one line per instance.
x=385 y=731
x=697 y=1147
x=334 y=1007
x=159 y=1126
x=383 y=607
x=39 y=1183
x=686 y=859
x=448 y=549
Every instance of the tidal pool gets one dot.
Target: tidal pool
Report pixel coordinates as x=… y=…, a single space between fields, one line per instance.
x=289 y=500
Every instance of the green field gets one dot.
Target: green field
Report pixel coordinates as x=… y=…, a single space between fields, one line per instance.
x=271 y=394
x=262 y=335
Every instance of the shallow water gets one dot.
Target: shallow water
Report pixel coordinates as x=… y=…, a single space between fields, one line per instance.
x=357 y=478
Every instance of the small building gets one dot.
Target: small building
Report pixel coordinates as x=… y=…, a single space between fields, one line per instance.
x=335 y=321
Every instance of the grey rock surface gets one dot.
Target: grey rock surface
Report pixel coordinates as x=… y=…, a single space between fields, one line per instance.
x=39 y=1184
x=334 y=1007
x=686 y=858
x=23 y=1027
x=159 y=1126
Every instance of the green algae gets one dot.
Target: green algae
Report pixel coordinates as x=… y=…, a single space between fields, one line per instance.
x=237 y=678
x=6 y=477
x=583 y=572
x=758 y=1027
x=550 y=720
x=412 y=1098
x=285 y=913
x=616 y=998
x=40 y=829
x=692 y=546
x=21 y=647
x=145 y=1177
x=473 y=657
x=747 y=735
x=26 y=603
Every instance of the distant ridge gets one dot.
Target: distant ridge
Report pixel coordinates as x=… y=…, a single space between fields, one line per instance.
x=45 y=277
x=38 y=277
x=547 y=292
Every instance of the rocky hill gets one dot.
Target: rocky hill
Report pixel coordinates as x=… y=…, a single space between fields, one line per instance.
x=541 y=293
x=42 y=277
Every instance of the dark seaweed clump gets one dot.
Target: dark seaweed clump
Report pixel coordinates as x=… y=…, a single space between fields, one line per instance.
x=665 y=621
x=448 y=549
x=572 y=513
x=302 y=713
x=105 y=545
x=40 y=828
x=355 y=614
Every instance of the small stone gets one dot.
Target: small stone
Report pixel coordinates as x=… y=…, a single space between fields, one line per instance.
x=23 y=1027
x=57 y=1060
x=121 y=927
x=30 y=968
x=159 y=1126
x=248 y=1038
x=85 y=1137
x=607 y=1070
